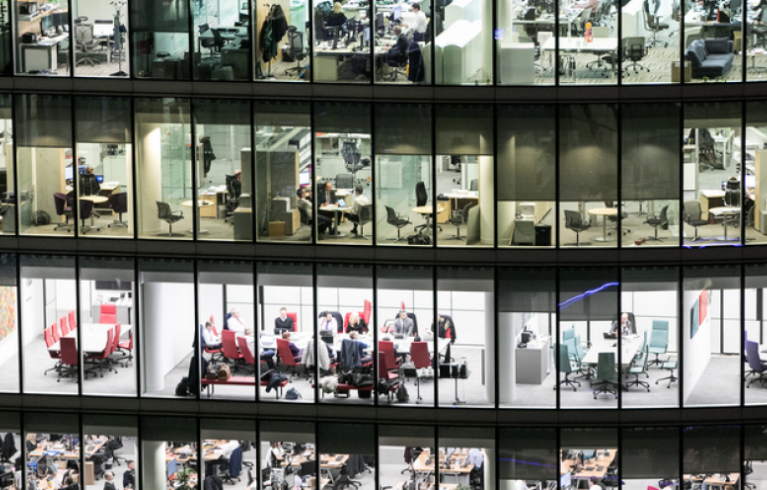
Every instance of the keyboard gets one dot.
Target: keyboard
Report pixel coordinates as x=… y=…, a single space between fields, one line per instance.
x=600 y=468
x=339 y=458
x=588 y=468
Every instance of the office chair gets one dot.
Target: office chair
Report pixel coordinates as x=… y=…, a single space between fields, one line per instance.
x=606 y=380
x=760 y=29
x=397 y=61
x=660 y=222
x=574 y=222
x=63 y=208
x=164 y=213
x=566 y=368
x=600 y=32
x=86 y=211
x=614 y=219
x=296 y=49
x=233 y=191
x=397 y=221
x=344 y=480
x=457 y=219
x=119 y=204
x=422 y=198
x=653 y=24
x=85 y=44
x=365 y=217
x=635 y=52
x=692 y=216
x=637 y=369
x=474 y=185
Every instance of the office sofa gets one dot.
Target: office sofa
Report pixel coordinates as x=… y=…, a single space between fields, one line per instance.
x=710 y=57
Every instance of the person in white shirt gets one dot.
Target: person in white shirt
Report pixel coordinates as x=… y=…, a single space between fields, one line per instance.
x=359 y=201
x=228 y=447
x=520 y=485
x=329 y=323
x=235 y=323
x=419 y=25
x=211 y=339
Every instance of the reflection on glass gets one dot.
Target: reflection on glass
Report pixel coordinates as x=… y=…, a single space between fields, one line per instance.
x=342 y=42
x=160 y=40
x=221 y=40
x=527 y=455
x=713 y=41
x=101 y=38
x=403 y=33
x=711 y=455
x=649 y=455
x=34 y=20
x=589 y=448
x=271 y=61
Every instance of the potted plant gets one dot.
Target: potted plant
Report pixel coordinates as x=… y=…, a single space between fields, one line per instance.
x=186 y=479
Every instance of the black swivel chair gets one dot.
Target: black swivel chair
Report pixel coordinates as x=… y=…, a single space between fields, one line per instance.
x=614 y=219
x=474 y=185
x=457 y=220
x=233 y=191
x=573 y=221
x=365 y=217
x=653 y=24
x=164 y=213
x=660 y=222
x=692 y=216
x=397 y=221
x=296 y=48
x=635 y=52
x=398 y=62
x=421 y=198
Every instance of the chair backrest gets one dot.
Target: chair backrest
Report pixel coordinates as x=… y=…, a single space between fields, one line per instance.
x=606 y=366
x=660 y=325
x=572 y=219
x=217 y=39
x=635 y=48
x=367 y=309
x=465 y=213
x=564 y=359
x=383 y=367
x=570 y=344
x=752 y=355
x=69 y=351
x=163 y=210
x=419 y=354
x=387 y=348
x=48 y=338
x=242 y=342
x=116 y=339
x=474 y=185
x=283 y=349
x=64 y=326
x=664 y=215
x=72 y=323
x=108 y=314
x=86 y=208
x=366 y=214
x=60 y=200
x=55 y=332
x=118 y=201
x=568 y=333
x=84 y=33
x=296 y=40
x=659 y=339
x=420 y=194
x=391 y=216
x=108 y=308
x=108 y=346
x=692 y=210
x=229 y=344
x=294 y=316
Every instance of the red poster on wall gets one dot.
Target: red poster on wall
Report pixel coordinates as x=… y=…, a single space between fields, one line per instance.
x=703 y=301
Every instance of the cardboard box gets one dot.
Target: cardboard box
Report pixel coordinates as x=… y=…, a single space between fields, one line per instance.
x=675 y=72
x=276 y=228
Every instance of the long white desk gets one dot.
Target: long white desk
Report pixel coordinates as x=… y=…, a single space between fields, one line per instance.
x=579 y=45
x=629 y=348
x=93 y=336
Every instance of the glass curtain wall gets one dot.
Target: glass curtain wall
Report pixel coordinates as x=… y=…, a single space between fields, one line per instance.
x=105 y=166
x=753 y=335
x=526 y=175
x=37 y=20
x=105 y=438
x=284 y=195
x=221 y=38
x=650 y=42
x=342 y=42
x=224 y=168
x=754 y=206
x=9 y=324
x=415 y=443
x=107 y=325
x=343 y=172
x=169 y=446
x=403 y=149
x=49 y=332
x=271 y=62
x=582 y=447
x=51 y=450
x=526 y=329
x=228 y=450
x=465 y=174
x=713 y=41
x=100 y=37
x=588 y=175
x=754 y=456
x=467 y=456
x=164 y=168
x=344 y=458
x=650 y=174
x=160 y=40
x=712 y=453
x=462 y=44
x=13 y=458
x=649 y=455
x=525 y=42
x=43 y=160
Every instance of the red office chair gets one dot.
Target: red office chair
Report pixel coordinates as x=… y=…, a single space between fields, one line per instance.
x=229 y=346
x=64 y=326
x=54 y=354
x=388 y=349
x=126 y=346
x=286 y=356
x=215 y=354
x=366 y=311
x=108 y=314
x=419 y=354
x=242 y=343
x=116 y=343
x=402 y=304
x=385 y=370
x=294 y=316
x=69 y=358
x=346 y=320
x=102 y=357
x=72 y=322
x=55 y=333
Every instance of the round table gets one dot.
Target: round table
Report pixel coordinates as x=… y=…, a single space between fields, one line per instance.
x=604 y=212
x=336 y=218
x=725 y=212
x=201 y=203
x=427 y=211
x=95 y=200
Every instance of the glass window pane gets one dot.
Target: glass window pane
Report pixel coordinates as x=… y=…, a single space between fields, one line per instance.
x=221 y=40
x=48 y=291
x=756 y=156
x=650 y=42
x=160 y=40
x=521 y=38
x=756 y=280
x=227 y=324
x=405 y=306
x=166 y=282
x=7 y=166
x=106 y=313
x=43 y=157
x=229 y=450
x=46 y=59
x=755 y=455
x=526 y=316
x=403 y=55
x=270 y=62
x=11 y=427
x=286 y=444
x=465 y=455
x=588 y=43
x=588 y=174
x=224 y=169
x=462 y=46
x=110 y=437
x=415 y=443
x=342 y=43
x=168 y=449
x=9 y=324
x=527 y=168
x=285 y=290
x=164 y=168
x=357 y=454
x=649 y=455
x=711 y=450
x=650 y=146
x=283 y=172
x=105 y=166
x=527 y=455
x=711 y=335
x=753 y=12
x=6 y=40
x=342 y=153
x=584 y=447
x=105 y=25
x=712 y=190
x=716 y=31
x=52 y=448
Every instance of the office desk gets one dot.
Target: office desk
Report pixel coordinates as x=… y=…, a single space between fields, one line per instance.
x=461 y=473
x=336 y=210
x=442 y=486
x=61 y=453
x=602 y=45
x=402 y=346
x=604 y=213
x=589 y=474
x=566 y=18
x=42 y=55
x=59 y=479
x=218 y=196
x=456 y=201
x=715 y=480
x=202 y=204
x=726 y=212
x=629 y=348
x=710 y=199
x=326 y=59
x=227 y=33
x=427 y=212
x=93 y=336
x=96 y=200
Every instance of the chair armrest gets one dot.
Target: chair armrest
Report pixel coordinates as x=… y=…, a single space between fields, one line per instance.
x=179 y=212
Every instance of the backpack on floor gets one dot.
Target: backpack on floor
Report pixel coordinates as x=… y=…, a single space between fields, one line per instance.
x=402 y=395
x=182 y=388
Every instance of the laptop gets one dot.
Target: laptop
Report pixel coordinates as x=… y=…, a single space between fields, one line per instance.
x=608 y=335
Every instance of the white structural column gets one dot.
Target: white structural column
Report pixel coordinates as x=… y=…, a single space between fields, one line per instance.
x=154 y=464
x=489 y=348
x=486 y=200
x=507 y=354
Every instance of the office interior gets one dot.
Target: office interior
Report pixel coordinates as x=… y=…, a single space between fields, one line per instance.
x=347 y=460
x=169 y=449
x=341 y=47
x=753 y=313
x=287 y=452
x=586 y=450
x=111 y=445
x=160 y=40
x=51 y=449
x=753 y=202
x=283 y=53
x=9 y=331
x=223 y=170
x=167 y=336
x=164 y=175
x=43 y=44
x=225 y=289
x=290 y=286
x=645 y=458
x=229 y=453
x=283 y=142
x=708 y=23
x=713 y=450
x=221 y=37
x=7 y=167
x=342 y=156
x=523 y=454
x=100 y=38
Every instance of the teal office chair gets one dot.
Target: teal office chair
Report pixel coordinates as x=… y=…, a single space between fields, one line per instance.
x=584 y=369
x=660 y=325
x=658 y=344
x=607 y=377
x=669 y=366
x=571 y=350
x=640 y=368
x=568 y=334
x=565 y=367
x=638 y=356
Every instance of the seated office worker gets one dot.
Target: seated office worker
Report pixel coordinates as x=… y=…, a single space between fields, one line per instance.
x=327 y=197
x=361 y=346
x=211 y=339
x=328 y=322
x=89 y=185
x=337 y=17
x=356 y=324
x=625 y=326
x=283 y=323
x=359 y=201
x=304 y=204
x=404 y=325
x=297 y=353
x=235 y=323
x=400 y=48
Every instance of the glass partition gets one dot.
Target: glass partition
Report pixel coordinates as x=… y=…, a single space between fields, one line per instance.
x=595 y=346
x=160 y=40
x=713 y=41
x=465 y=174
x=107 y=325
x=649 y=455
x=754 y=202
x=49 y=332
x=588 y=175
x=347 y=459
x=101 y=37
x=51 y=450
x=406 y=300
x=342 y=44
x=283 y=142
x=111 y=450
x=403 y=149
x=287 y=453
x=650 y=174
x=229 y=451
x=712 y=174
x=584 y=448
x=343 y=172
x=104 y=172
x=164 y=168
x=711 y=335
x=164 y=282
x=9 y=324
x=43 y=159
x=33 y=20
x=403 y=451
x=525 y=456
x=346 y=332
x=526 y=329
x=403 y=37
x=169 y=453
x=227 y=328
x=286 y=312
x=221 y=40
x=527 y=169
x=523 y=30
x=273 y=63
x=462 y=46
x=223 y=169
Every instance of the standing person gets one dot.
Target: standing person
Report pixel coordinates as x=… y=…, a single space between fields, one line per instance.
x=129 y=477
x=419 y=25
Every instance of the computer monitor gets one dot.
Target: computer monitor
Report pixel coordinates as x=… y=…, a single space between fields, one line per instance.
x=100 y=179
x=396 y=13
x=172 y=467
x=69 y=173
x=304 y=178
x=750 y=181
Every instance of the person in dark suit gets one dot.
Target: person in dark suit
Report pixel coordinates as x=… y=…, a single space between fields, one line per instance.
x=399 y=50
x=109 y=484
x=283 y=323
x=129 y=477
